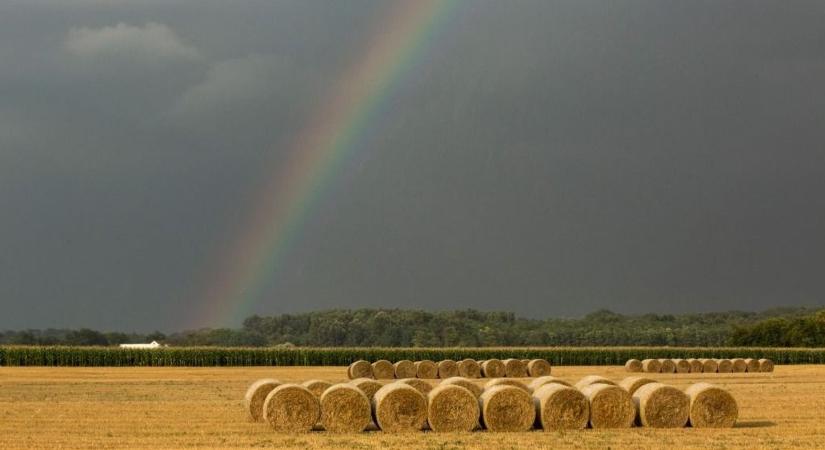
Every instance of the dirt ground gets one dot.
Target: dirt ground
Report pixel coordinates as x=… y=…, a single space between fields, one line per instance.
x=201 y=407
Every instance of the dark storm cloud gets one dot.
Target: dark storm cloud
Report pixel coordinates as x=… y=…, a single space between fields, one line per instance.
x=542 y=157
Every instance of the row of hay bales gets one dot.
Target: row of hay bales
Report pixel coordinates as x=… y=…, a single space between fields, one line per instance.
x=448 y=368
x=705 y=365
x=460 y=404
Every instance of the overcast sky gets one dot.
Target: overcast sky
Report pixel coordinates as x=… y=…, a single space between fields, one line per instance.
x=543 y=157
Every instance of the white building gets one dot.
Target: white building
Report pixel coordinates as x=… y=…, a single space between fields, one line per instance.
x=154 y=344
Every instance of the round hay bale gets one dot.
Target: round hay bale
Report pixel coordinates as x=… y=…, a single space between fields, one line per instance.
x=739 y=365
x=631 y=384
x=317 y=386
x=724 y=366
x=560 y=407
x=447 y=368
x=682 y=365
x=256 y=395
x=709 y=365
x=405 y=369
x=752 y=365
x=668 y=366
x=661 y=406
x=360 y=369
x=345 y=409
x=421 y=385
x=399 y=408
x=291 y=408
x=594 y=379
x=633 y=365
x=367 y=385
x=383 y=370
x=765 y=365
x=538 y=368
x=506 y=382
x=514 y=368
x=452 y=408
x=525 y=361
x=696 y=365
x=426 y=369
x=610 y=406
x=711 y=406
x=651 y=365
x=469 y=368
x=547 y=379
x=493 y=368
x=465 y=383
x=507 y=408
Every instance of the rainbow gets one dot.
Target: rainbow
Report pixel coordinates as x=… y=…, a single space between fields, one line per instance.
x=329 y=138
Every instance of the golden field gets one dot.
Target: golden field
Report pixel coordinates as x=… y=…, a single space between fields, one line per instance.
x=43 y=407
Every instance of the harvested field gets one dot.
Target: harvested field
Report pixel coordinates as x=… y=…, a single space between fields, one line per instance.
x=203 y=407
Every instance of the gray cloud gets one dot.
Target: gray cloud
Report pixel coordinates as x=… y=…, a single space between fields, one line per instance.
x=153 y=42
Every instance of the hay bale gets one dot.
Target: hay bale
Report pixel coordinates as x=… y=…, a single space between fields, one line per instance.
x=507 y=408
x=465 y=383
x=547 y=379
x=426 y=369
x=452 y=408
x=525 y=361
x=404 y=369
x=668 y=366
x=696 y=365
x=469 y=368
x=711 y=406
x=492 y=368
x=383 y=370
x=256 y=395
x=633 y=365
x=345 y=409
x=367 y=385
x=682 y=365
x=631 y=384
x=399 y=407
x=651 y=365
x=514 y=368
x=421 y=385
x=317 y=386
x=610 y=406
x=447 y=368
x=724 y=366
x=752 y=365
x=765 y=365
x=560 y=407
x=709 y=365
x=506 y=382
x=360 y=369
x=661 y=406
x=739 y=365
x=538 y=368
x=594 y=379
x=291 y=408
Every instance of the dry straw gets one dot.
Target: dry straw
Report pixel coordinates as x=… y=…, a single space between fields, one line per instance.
x=668 y=366
x=419 y=384
x=404 y=369
x=709 y=365
x=631 y=384
x=493 y=368
x=367 y=385
x=541 y=381
x=291 y=408
x=514 y=368
x=506 y=382
x=317 y=386
x=724 y=366
x=610 y=406
x=452 y=408
x=711 y=406
x=254 y=398
x=345 y=409
x=633 y=365
x=696 y=365
x=765 y=365
x=465 y=383
x=739 y=365
x=682 y=365
x=383 y=370
x=507 y=408
x=538 y=368
x=651 y=365
x=399 y=407
x=560 y=407
x=426 y=369
x=594 y=379
x=359 y=369
x=661 y=406
x=447 y=368
x=469 y=368
x=752 y=365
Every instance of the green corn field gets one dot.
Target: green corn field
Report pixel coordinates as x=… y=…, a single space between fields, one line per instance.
x=217 y=356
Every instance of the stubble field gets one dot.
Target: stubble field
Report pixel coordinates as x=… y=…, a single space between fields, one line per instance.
x=43 y=407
